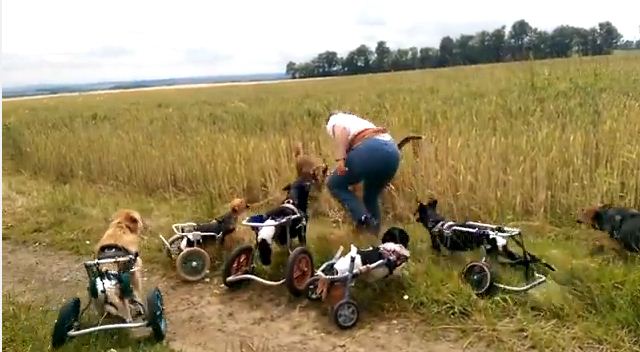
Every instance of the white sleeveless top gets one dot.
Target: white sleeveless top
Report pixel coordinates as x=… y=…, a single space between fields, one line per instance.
x=353 y=124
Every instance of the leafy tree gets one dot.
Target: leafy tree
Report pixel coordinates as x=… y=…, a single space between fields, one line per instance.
x=518 y=35
x=382 y=62
x=497 y=40
x=291 y=70
x=561 y=41
x=521 y=42
x=326 y=63
x=446 y=57
x=626 y=45
x=465 y=51
x=608 y=36
x=414 y=58
x=427 y=57
x=400 y=60
x=482 y=42
x=539 y=44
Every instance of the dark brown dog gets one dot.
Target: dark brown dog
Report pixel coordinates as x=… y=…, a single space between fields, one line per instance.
x=621 y=223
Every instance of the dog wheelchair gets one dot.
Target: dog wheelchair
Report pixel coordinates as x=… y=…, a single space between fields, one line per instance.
x=479 y=274
x=149 y=315
x=185 y=247
x=327 y=281
x=241 y=263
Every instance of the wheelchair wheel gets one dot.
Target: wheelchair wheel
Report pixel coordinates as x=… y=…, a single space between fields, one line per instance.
x=174 y=246
x=299 y=271
x=478 y=276
x=346 y=314
x=155 y=314
x=311 y=289
x=192 y=264
x=239 y=262
x=67 y=318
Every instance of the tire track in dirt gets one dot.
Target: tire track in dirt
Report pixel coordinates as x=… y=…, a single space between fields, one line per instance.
x=206 y=317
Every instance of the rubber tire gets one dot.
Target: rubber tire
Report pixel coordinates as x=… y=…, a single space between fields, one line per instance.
x=489 y=288
x=155 y=314
x=67 y=317
x=345 y=304
x=173 y=238
x=312 y=284
x=182 y=257
x=289 y=279
x=228 y=265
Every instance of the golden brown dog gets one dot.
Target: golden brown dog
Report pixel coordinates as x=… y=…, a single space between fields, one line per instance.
x=309 y=167
x=124 y=232
x=226 y=224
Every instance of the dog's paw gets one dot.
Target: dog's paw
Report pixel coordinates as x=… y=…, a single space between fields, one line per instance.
x=264 y=251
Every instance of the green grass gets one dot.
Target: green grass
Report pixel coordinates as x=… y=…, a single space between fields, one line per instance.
x=591 y=299
x=27 y=327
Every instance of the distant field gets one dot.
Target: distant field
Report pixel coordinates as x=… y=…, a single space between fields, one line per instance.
x=528 y=143
x=513 y=141
x=627 y=52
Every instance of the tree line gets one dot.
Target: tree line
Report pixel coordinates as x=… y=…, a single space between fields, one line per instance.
x=520 y=42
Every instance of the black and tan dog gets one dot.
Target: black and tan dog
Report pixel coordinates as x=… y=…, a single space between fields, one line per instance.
x=621 y=223
x=458 y=241
x=295 y=203
x=226 y=223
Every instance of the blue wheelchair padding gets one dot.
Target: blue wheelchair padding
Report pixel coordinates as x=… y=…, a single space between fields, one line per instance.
x=257 y=219
x=125 y=285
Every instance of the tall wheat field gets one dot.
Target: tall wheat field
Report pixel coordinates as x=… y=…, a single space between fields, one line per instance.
x=527 y=143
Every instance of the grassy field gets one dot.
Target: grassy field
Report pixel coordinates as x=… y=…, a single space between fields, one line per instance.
x=524 y=143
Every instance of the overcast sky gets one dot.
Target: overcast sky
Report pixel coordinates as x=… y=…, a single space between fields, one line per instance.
x=65 y=41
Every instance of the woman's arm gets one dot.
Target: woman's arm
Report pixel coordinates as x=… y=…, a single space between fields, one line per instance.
x=341 y=138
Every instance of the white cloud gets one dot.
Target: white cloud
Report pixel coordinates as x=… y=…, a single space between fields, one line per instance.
x=80 y=41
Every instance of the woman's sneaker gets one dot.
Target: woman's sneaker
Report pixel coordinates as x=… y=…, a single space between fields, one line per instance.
x=369 y=225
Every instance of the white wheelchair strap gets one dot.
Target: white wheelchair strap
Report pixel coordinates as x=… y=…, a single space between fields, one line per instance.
x=293 y=207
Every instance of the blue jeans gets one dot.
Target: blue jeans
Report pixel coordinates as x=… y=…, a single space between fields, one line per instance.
x=373 y=162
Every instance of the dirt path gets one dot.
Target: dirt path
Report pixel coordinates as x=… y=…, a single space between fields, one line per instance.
x=206 y=317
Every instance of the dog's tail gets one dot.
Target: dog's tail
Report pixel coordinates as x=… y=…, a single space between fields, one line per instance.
x=408 y=139
x=298 y=150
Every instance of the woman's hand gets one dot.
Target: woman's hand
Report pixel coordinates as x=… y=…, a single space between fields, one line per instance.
x=341 y=138
x=341 y=169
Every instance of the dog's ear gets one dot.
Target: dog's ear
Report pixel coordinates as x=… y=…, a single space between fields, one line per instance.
x=404 y=238
x=133 y=221
x=298 y=150
x=604 y=206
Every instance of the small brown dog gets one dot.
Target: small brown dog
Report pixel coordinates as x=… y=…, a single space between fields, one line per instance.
x=123 y=234
x=226 y=223
x=308 y=167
